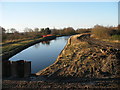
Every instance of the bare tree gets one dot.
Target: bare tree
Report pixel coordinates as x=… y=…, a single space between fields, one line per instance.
x=12 y=30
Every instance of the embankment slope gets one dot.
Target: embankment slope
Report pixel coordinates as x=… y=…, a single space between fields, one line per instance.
x=85 y=57
x=85 y=62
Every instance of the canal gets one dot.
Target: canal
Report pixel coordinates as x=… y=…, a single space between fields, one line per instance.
x=42 y=54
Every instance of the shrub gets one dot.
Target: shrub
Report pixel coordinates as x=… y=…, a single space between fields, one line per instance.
x=101 y=31
x=83 y=31
x=69 y=31
x=115 y=37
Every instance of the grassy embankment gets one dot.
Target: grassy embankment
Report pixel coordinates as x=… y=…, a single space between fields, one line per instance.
x=114 y=39
x=10 y=48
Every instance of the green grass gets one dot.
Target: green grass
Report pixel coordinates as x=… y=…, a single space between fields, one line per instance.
x=115 y=37
x=10 y=47
x=22 y=43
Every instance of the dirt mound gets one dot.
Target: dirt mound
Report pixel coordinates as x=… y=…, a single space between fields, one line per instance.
x=83 y=57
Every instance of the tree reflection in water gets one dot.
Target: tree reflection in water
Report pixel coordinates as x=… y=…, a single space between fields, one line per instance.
x=41 y=55
x=43 y=42
x=37 y=45
x=46 y=42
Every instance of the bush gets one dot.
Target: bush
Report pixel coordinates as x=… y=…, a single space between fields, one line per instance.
x=115 y=37
x=69 y=31
x=83 y=31
x=101 y=31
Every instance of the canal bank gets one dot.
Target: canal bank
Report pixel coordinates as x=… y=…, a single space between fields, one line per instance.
x=84 y=63
x=6 y=55
x=86 y=59
x=42 y=54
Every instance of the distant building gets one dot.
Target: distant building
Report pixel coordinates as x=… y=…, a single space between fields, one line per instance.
x=19 y=68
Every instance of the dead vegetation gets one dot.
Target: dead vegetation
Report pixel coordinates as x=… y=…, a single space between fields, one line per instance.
x=85 y=58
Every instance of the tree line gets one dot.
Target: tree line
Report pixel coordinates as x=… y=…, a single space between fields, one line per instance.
x=109 y=32
x=98 y=31
x=13 y=34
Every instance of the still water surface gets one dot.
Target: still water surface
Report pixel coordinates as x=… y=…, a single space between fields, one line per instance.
x=42 y=54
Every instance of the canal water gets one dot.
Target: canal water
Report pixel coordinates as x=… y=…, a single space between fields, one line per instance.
x=42 y=54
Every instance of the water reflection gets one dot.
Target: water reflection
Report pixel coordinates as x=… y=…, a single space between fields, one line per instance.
x=37 y=45
x=46 y=42
x=42 y=54
x=43 y=43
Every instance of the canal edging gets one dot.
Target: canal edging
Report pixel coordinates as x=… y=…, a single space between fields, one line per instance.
x=5 y=56
x=68 y=43
x=84 y=57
